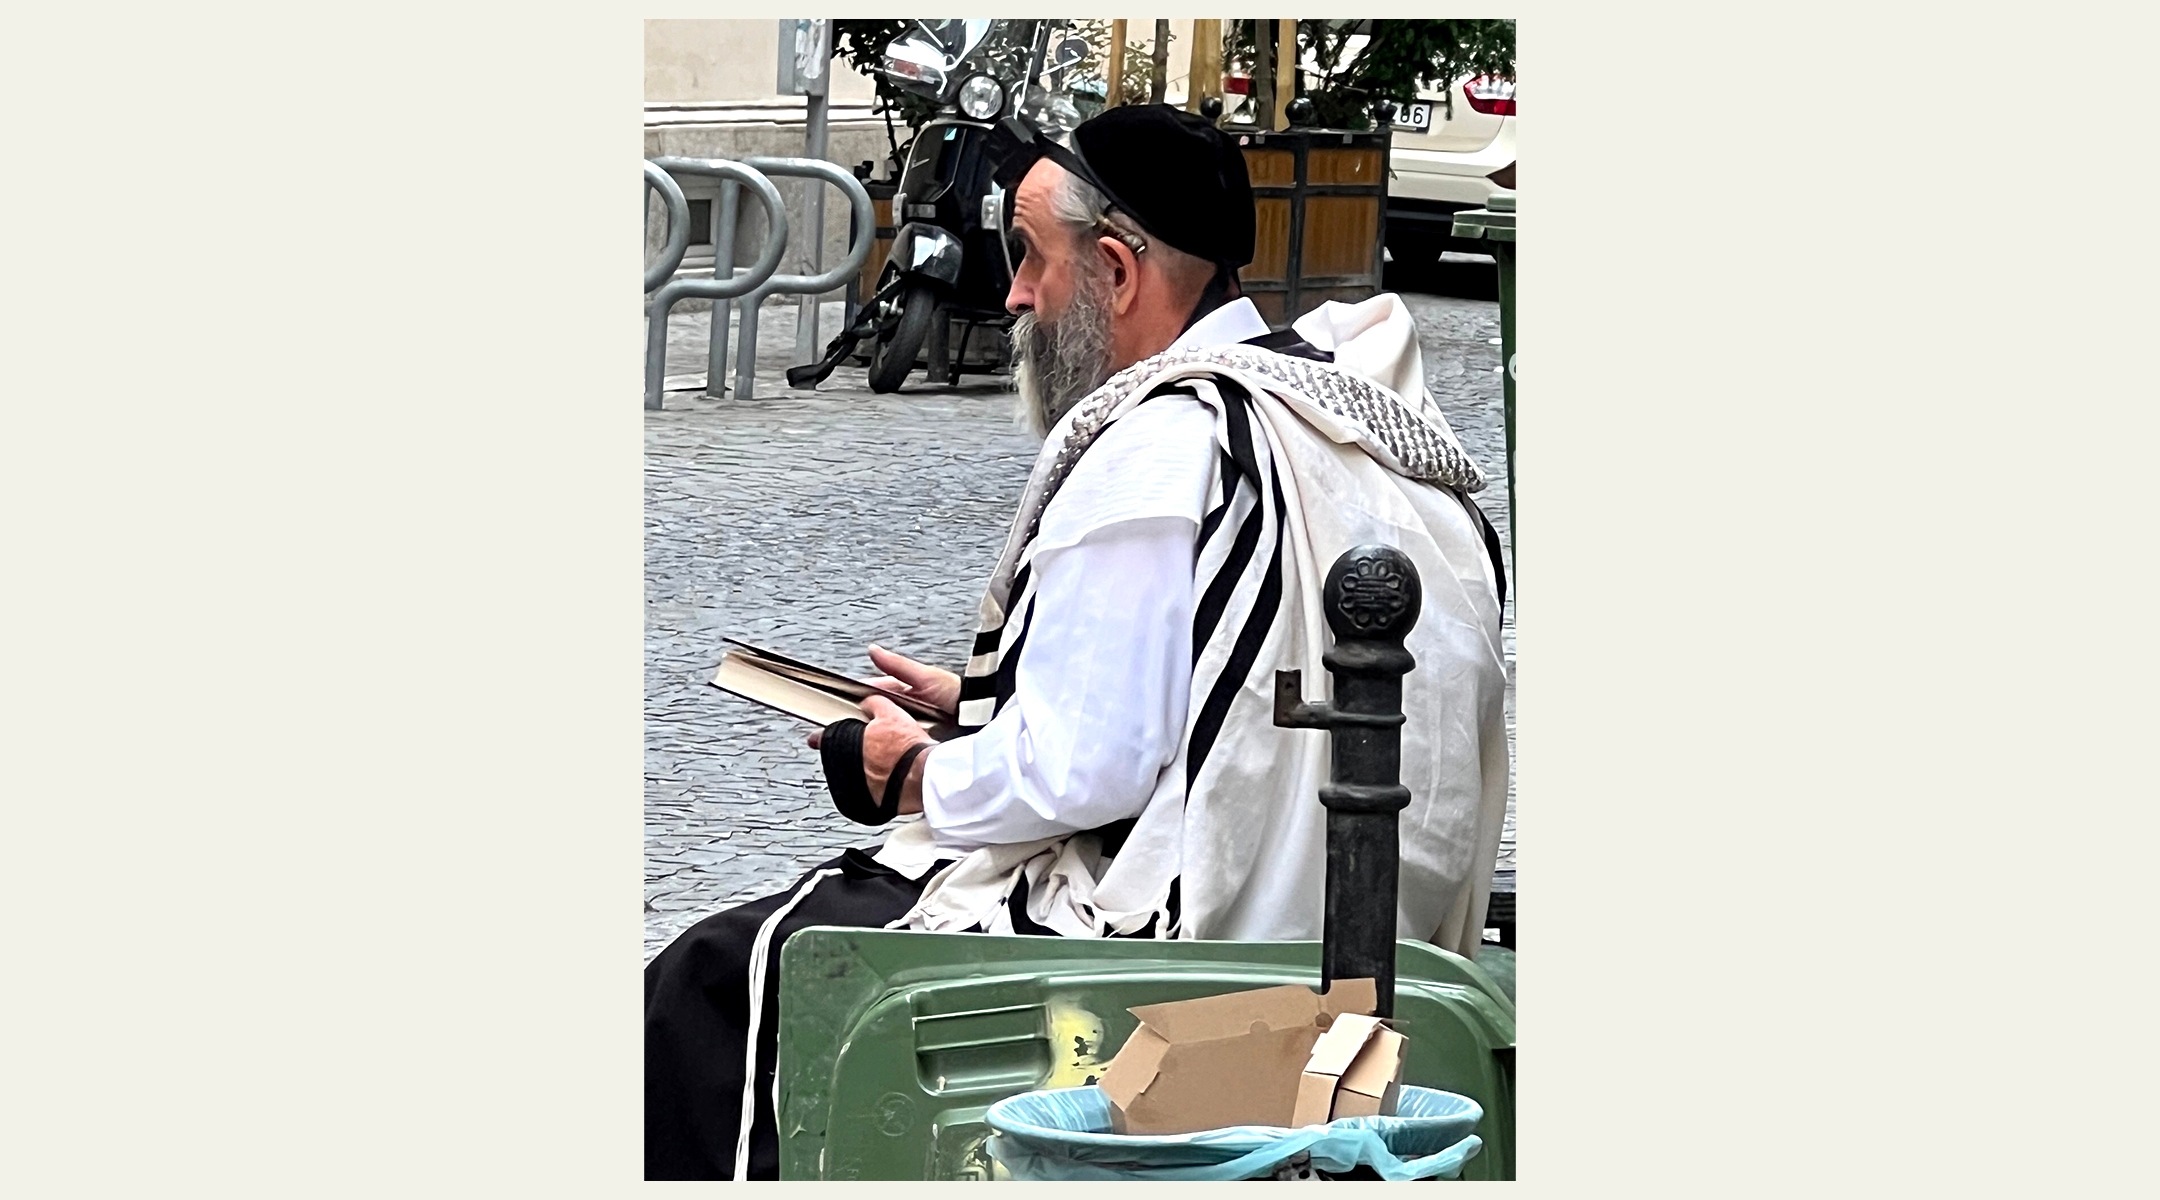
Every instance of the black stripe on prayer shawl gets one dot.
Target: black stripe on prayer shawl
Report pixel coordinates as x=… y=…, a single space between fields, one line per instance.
x=1208 y=613
x=1241 y=447
x=977 y=687
x=1007 y=677
x=984 y=686
x=1244 y=653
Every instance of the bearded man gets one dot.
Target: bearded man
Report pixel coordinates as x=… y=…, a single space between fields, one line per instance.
x=1120 y=773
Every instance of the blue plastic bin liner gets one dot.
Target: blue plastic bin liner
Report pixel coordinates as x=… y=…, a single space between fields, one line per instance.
x=1064 y=1133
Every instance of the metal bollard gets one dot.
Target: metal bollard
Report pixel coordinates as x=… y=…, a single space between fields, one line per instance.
x=723 y=269
x=1371 y=598
x=746 y=342
x=814 y=147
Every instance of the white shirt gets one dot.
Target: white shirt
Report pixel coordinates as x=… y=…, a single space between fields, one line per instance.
x=1237 y=321
x=1099 y=700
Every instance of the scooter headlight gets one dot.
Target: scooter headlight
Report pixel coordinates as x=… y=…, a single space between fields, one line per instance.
x=981 y=97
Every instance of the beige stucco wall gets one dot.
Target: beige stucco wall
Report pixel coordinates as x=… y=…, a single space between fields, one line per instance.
x=712 y=60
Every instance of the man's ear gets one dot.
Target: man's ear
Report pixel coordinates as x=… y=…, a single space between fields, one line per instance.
x=1124 y=273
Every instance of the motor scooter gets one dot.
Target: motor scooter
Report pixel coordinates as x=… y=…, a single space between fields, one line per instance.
x=947 y=264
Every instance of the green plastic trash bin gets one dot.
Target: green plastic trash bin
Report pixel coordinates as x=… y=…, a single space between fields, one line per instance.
x=1495 y=226
x=893 y=1044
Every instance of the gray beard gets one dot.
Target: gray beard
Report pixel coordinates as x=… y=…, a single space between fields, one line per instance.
x=1057 y=363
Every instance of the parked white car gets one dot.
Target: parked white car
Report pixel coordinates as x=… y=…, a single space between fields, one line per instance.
x=1446 y=162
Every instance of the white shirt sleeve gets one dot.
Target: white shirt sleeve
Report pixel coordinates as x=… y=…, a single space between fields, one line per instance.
x=1099 y=698
x=1094 y=716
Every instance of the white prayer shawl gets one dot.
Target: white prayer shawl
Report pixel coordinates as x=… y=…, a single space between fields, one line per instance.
x=1314 y=459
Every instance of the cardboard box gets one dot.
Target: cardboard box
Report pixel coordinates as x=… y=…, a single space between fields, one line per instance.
x=1234 y=1059
x=1355 y=1070
x=1373 y=1083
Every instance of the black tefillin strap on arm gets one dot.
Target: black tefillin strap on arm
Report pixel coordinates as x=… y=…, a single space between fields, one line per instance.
x=841 y=748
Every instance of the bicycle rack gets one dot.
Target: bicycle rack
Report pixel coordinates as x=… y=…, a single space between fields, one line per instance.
x=760 y=282
x=678 y=226
x=863 y=226
x=720 y=287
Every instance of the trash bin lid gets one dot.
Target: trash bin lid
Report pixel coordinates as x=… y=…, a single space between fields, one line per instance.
x=1495 y=221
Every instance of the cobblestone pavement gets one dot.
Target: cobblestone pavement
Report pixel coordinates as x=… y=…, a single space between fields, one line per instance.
x=815 y=522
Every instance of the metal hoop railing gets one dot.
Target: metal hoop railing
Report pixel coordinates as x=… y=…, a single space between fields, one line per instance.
x=759 y=282
x=678 y=226
x=720 y=287
x=864 y=228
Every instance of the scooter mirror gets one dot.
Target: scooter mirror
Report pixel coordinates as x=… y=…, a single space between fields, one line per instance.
x=917 y=61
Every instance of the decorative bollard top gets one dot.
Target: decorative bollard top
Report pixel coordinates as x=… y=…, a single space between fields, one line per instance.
x=1371 y=596
x=1372 y=592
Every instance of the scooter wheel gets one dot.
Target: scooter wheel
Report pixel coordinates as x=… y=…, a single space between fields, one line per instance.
x=895 y=355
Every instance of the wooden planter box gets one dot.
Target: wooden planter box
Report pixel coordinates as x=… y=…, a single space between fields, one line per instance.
x=881 y=198
x=1320 y=218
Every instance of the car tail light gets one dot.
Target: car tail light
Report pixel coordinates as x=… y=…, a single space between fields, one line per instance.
x=1491 y=95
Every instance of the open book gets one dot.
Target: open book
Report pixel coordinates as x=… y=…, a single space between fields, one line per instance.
x=812 y=693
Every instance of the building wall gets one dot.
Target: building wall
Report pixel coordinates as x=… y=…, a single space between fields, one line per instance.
x=719 y=60
x=714 y=60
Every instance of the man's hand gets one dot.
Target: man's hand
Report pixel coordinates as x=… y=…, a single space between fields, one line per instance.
x=890 y=733
x=935 y=687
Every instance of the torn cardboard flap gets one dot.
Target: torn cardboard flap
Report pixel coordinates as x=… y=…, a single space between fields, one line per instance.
x=1355 y=1070
x=1234 y=1059
x=1373 y=1084
x=1236 y=1013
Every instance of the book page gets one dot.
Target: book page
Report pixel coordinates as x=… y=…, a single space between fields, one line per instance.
x=750 y=676
x=747 y=678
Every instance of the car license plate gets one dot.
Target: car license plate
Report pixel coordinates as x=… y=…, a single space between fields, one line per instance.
x=1415 y=116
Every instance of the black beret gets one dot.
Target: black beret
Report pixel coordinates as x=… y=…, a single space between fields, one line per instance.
x=1173 y=172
